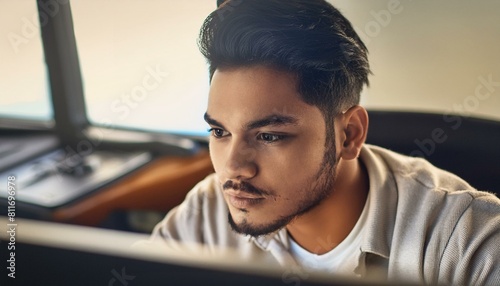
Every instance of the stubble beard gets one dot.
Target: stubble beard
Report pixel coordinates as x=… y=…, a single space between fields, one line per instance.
x=325 y=179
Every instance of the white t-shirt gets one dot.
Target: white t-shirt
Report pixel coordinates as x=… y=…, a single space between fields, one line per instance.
x=340 y=260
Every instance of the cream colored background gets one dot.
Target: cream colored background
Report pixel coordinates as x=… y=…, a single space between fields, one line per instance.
x=427 y=57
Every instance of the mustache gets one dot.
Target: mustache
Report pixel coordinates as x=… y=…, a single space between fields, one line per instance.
x=244 y=187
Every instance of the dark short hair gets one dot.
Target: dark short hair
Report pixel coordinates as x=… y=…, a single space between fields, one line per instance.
x=309 y=38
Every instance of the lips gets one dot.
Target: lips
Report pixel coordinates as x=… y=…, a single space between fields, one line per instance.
x=242 y=195
x=242 y=200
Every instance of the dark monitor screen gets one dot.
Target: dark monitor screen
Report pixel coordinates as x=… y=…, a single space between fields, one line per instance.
x=42 y=265
x=57 y=254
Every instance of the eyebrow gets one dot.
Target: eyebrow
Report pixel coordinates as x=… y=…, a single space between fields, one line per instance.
x=212 y=121
x=271 y=120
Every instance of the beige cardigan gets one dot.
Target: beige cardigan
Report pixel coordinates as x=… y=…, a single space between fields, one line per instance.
x=424 y=225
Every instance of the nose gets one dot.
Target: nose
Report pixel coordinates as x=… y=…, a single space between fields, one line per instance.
x=240 y=163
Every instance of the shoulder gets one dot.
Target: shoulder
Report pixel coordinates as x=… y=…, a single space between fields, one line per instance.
x=200 y=218
x=471 y=255
x=417 y=171
x=417 y=177
x=440 y=221
x=206 y=194
x=186 y=222
x=424 y=191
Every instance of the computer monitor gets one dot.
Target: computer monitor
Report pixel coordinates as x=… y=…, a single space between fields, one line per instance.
x=43 y=253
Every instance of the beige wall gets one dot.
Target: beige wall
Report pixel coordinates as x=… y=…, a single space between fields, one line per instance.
x=430 y=55
x=425 y=55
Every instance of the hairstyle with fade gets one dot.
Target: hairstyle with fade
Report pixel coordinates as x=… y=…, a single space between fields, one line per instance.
x=309 y=38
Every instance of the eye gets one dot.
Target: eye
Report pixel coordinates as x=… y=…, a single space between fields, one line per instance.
x=218 y=132
x=270 y=138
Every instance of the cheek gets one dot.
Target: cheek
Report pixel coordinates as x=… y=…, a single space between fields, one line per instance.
x=302 y=157
x=291 y=172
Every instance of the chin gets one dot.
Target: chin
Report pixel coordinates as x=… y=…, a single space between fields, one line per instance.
x=247 y=227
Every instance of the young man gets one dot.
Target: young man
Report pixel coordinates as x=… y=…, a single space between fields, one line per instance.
x=293 y=178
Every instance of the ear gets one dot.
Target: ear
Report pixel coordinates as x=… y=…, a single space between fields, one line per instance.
x=355 y=128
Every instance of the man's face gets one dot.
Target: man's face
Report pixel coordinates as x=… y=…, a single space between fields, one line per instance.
x=267 y=147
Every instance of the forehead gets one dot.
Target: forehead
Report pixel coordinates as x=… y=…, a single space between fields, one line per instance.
x=248 y=93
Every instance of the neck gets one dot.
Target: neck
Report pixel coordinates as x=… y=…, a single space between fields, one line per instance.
x=327 y=225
